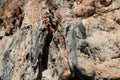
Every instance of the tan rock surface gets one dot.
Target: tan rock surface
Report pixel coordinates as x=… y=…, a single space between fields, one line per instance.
x=60 y=40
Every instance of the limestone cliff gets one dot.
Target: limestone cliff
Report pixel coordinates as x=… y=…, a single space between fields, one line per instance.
x=60 y=39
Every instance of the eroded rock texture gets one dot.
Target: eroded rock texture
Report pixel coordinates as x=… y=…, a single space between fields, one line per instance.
x=59 y=39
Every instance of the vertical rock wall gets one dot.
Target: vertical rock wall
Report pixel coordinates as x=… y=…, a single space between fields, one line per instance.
x=59 y=40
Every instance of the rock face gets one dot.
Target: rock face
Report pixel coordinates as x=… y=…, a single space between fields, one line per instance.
x=60 y=40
